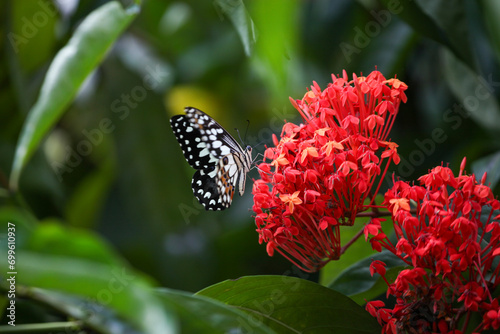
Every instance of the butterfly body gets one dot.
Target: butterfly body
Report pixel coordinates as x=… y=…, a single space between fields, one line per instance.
x=220 y=162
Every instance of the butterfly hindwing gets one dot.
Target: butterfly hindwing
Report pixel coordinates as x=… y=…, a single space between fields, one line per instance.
x=205 y=189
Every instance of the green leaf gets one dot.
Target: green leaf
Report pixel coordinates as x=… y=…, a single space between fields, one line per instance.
x=22 y=221
x=413 y=15
x=90 y=195
x=198 y=314
x=292 y=305
x=35 y=48
x=360 y=249
x=77 y=262
x=451 y=17
x=474 y=93
x=53 y=238
x=276 y=48
x=116 y=287
x=491 y=13
x=97 y=317
x=70 y=67
x=18 y=217
x=236 y=12
x=490 y=165
x=443 y=21
x=356 y=281
x=379 y=287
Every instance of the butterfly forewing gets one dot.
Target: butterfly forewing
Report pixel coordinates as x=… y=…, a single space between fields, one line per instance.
x=217 y=139
x=194 y=149
x=220 y=161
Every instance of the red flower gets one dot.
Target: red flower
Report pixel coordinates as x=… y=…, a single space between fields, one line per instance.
x=491 y=318
x=450 y=238
x=319 y=174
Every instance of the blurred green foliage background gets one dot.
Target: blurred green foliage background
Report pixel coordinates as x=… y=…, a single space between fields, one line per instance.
x=111 y=170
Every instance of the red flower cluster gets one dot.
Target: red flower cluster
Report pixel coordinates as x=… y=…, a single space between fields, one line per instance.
x=321 y=171
x=447 y=232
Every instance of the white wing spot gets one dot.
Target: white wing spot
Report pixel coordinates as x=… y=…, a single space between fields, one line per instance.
x=204 y=152
x=213 y=159
x=213 y=173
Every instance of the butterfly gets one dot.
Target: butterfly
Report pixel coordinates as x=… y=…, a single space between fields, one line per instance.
x=219 y=160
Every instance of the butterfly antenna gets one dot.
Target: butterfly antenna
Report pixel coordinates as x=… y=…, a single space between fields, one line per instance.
x=246 y=131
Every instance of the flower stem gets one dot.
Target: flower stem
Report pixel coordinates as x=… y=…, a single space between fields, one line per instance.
x=353 y=240
x=466 y=322
x=374 y=214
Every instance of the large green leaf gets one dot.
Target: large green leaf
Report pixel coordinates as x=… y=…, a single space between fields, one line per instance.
x=357 y=250
x=90 y=195
x=451 y=17
x=53 y=238
x=68 y=70
x=241 y=20
x=379 y=287
x=444 y=21
x=292 y=305
x=116 y=287
x=490 y=165
x=276 y=46
x=198 y=314
x=39 y=40
x=491 y=12
x=357 y=282
x=85 y=314
x=360 y=249
x=77 y=262
x=474 y=93
x=412 y=14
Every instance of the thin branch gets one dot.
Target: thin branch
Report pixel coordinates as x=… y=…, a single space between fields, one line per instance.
x=353 y=240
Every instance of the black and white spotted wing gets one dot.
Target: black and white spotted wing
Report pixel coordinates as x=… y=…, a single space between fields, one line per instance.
x=220 y=161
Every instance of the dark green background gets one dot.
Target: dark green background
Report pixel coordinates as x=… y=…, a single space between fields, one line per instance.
x=236 y=61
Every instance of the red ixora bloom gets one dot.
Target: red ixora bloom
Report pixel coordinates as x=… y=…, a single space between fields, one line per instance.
x=449 y=237
x=319 y=174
